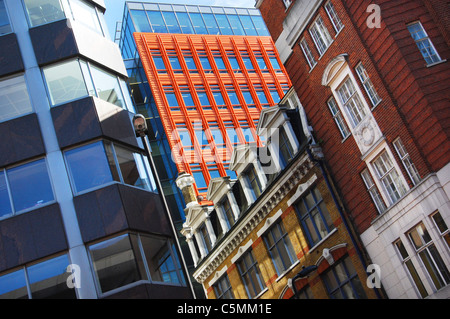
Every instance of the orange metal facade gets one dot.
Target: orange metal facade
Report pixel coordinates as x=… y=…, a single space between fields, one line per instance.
x=209 y=91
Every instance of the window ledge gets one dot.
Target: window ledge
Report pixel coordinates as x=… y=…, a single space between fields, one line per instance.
x=287 y=270
x=436 y=63
x=323 y=239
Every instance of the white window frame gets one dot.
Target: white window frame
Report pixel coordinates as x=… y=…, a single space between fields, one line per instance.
x=368 y=85
x=406 y=160
x=287 y=3
x=308 y=53
x=319 y=31
x=430 y=47
x=334 y=17
x=389 y=174
x=338 y=118
x=373 y=191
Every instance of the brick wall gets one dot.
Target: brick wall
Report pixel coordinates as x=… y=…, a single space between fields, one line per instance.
x=415 y=98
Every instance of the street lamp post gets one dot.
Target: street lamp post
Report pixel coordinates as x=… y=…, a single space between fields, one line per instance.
x=141 y=130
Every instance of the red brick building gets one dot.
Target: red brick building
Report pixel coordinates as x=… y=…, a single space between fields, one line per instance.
x=373 y=78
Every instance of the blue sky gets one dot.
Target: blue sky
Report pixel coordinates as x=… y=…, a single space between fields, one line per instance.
x=114 y=8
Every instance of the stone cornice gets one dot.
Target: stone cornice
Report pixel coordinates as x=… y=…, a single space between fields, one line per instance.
x=267 y=202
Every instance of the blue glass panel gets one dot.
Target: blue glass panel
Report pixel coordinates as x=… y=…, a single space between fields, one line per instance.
x=205 y=63
x=4 y=21
x=140 y=21
x=157 y=21
x=214 y=173
x=224 y=25
x=175 y=63
x=218 y=98
x=248 y=97
x=275 y=63
x=260 y=26
x=198 y=23
x=23 y=180
x=248 y=134
x=219 y=63
x=236 y=24
x=185 y=23
x=199 y=179
x=13 y=286
x=5 y=205
x=204 y=101
x=211 y=24
x=171 y=22
x=46 y=277
x=262 y=97
x=232 y=135
x=217 y=136
x=190 y=63
x=187 y=98
x=233 y=97
x=232 y=174
x=248 y=64
x=88 y=166
x=275 y=96
x=185 y=138
x=159 y=62
x=171 y=99
x=247 y=23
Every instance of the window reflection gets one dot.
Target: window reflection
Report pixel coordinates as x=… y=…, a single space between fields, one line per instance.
x=5 y=26
x=43 y=11
x=14 y=98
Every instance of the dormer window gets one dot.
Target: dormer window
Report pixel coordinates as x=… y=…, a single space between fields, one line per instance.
x=253 y=182
x=286 y=150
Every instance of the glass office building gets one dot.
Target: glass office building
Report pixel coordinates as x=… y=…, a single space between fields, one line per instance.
x=202 y=77
x=80 y=212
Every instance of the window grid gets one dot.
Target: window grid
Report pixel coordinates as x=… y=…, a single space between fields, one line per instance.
x=332 y=14
x=442 y=227
x=308 y=53
x=250 y=274
x=373 y=191
x=338 y=118
x=222 y=288
x=406 y=160
x=408 y=264
x=368 y=85
x=320 y=35
x=429 y=255
x=389 y=177
x=314 y=216
x=280 y=247
x=424 y=43
x=253 y=181
x=351 y=101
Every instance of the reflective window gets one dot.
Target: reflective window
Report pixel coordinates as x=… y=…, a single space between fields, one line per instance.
x=185 y=23
x=236 y=24
x=90 y=173
x=280 y=248
x=22 y=181
x=224 y=25
x=44 y=280
x=424 y=43
x=342 y=281
x=14 y=99
x=250 y=274
x=5 y=204
x=157 y=22
x=199 y=24
x=247 y=23
x=260 y=26
x=13 y=285
x=5 y=26
x=75 y=79
x=107 y=86
x=48 y=279
x=43 y=11
x=86 y=14
x=171 y=22
x=211 y=24
x=65 y=82
x=314 y=217
x=140 y=21
x=222 y=288
x=107 y=163
x=132 y=257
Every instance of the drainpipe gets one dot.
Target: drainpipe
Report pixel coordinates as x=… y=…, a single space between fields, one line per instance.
x=314 y=146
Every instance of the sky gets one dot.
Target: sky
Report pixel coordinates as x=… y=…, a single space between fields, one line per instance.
x=115 y=8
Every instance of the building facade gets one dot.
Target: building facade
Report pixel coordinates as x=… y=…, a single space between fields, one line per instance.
x=200 y=75
x=373 y=78
x=277 y=231
x=80 y=212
